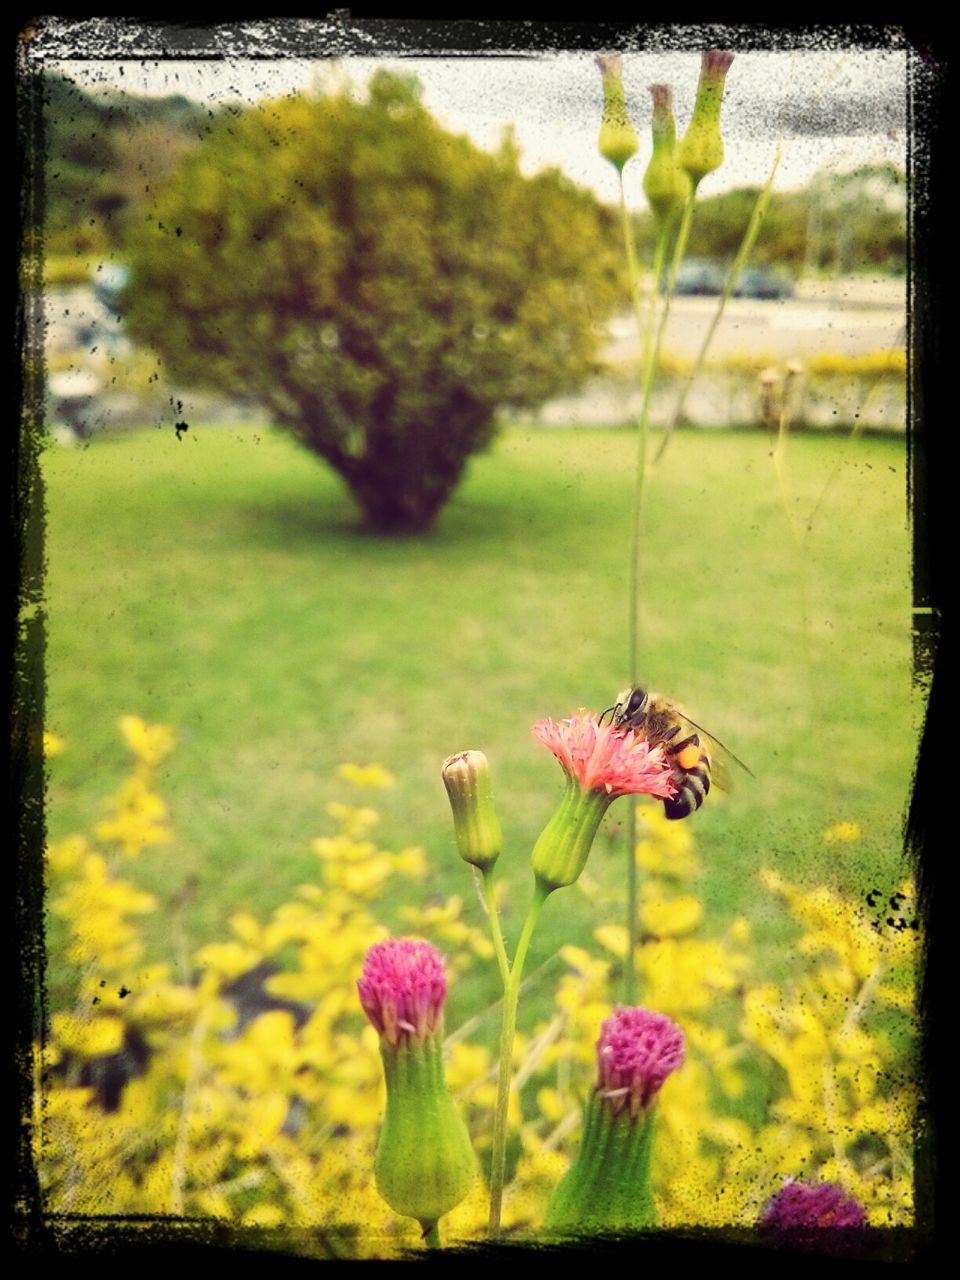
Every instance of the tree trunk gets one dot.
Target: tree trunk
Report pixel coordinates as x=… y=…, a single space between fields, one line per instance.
x=390 y=510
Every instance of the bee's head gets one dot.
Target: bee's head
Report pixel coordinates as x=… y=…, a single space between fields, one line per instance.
x=630 y=702
x=634 y=701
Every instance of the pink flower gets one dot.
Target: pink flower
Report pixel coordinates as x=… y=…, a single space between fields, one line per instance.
x=636 y=1052
x=403 y=988
x=715 y=63
x=805 y=1204
x=602 y=758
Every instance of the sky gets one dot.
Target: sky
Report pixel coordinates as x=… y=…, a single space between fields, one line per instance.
x=834 y=108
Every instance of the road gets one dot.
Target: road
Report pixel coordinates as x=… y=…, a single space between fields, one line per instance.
x=845 y=319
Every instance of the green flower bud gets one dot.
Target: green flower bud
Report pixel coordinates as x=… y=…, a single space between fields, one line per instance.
x=701 y=149
x=618 y=138
x=424 y=1163
x=607 y=1188
x=475 y=823
x=665 y=184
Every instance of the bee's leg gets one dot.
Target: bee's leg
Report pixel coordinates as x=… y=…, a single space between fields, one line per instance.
x=692 y=741
x=672 y=733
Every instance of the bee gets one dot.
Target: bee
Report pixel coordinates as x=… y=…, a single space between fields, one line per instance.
x=693 y=763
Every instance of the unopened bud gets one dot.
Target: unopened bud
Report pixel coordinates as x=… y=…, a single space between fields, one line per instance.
x=665 y=184
x=608 y=1186
x=475 y=823
x=701 y=149
x=424 y=1163
x=618 y=138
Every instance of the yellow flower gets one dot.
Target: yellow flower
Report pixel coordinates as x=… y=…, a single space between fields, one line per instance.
x=366 y=775
x=88 y=1037
x=230 y=959
x=150 y=743
x=842 y=833
x=140 y=818
x=666 y=848
x=64 y=856
x=354 y=821
x=668 y=917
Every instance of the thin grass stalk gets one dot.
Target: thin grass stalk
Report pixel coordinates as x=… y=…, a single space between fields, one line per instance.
x=743 y=254
x=508 y=1029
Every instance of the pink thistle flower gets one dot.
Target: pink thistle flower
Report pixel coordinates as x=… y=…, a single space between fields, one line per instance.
x=403 y=988
x=636 y=1052
x=601 y=758
x=799 y=1205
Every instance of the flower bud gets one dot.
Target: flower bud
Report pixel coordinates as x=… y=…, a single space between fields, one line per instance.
x=618 y=138
x=475 y=823
x=701 y=149
x=665 y=184
x=608 y=1187
x=424 y=1163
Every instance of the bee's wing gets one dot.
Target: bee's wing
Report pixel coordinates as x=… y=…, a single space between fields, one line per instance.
x=721 y=775
x=721 y=758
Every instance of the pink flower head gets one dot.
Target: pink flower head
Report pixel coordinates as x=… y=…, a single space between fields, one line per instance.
x=715 y=63
x=610 y=64
x=806 y=1204
x=402 y=988
x=662 y=102
x=636 y=1052
x=602 y=758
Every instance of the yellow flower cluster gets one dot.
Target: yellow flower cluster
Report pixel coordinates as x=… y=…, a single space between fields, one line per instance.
x=138 y=815
x=252 y=1091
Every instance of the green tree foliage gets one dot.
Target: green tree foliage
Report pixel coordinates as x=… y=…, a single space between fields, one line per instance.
x=838 y=223
x=101 y=153
x=380 y=286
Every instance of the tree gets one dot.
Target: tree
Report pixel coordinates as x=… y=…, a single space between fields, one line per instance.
x=380 y=286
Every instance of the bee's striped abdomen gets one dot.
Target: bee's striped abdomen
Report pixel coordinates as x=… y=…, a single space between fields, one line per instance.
x=692 y=782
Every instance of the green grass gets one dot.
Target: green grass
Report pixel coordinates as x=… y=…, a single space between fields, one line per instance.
x=220 y=584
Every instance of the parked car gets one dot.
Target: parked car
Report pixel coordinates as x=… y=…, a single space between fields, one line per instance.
x=761 y=282
x=697 y=277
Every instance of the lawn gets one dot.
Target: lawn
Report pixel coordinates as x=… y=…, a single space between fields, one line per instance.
x=219 y=583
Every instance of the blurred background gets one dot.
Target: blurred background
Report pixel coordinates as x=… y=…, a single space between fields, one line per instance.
x=832 y=254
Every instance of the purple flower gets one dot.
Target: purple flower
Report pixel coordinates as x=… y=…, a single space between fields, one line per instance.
x=806 y=1204
x=403 y=988
x=636 y=1052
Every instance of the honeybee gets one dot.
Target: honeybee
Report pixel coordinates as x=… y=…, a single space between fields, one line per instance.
x=693 y=762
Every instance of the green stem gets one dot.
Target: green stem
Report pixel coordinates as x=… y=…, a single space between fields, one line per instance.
x=431 y=1235
x=743 y=253
x=508 y=1027
x=631 y=252
x=630 y=963
x=633 y=622
x=495 y=930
